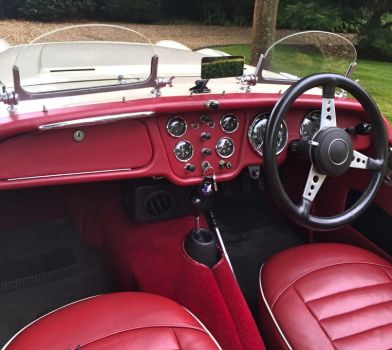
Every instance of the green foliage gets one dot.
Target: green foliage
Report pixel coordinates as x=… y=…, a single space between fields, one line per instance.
x=318 y=15
x=50 y=10
x=374 y=76
x=222 y=67
x=8 y=9
x=131 y=10
x=190 y=10
x=227 y=12
x=210 y=12
x=376 y=42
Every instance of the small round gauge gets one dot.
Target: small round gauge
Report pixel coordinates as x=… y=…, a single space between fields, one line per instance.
x=176 y=126
x=225 y=147
x=183 y=151
x=229 y=123
x=310 y=124
x=256 y=134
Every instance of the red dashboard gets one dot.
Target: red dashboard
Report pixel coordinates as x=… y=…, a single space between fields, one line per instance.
x=179 y=138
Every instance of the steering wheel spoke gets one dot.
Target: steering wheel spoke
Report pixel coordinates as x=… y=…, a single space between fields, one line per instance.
x=328 y=113
x=313 y=184
x=331 y=152
x=361 y=161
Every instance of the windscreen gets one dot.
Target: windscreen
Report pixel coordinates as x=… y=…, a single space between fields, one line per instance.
x=306 y=53
x=84 y=56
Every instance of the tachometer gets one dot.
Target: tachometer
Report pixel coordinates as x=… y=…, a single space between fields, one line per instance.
x=310 y=124
x=183 y=151
x=176 y=126
x=229 y=123
x=225 y=147
x=256 y=134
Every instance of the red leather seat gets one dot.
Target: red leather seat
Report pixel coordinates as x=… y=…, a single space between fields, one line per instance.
x=116 y=321
x=327 y=296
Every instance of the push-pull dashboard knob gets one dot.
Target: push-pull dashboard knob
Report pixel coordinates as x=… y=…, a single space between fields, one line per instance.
x=212 y=104
x=204 y=118
x=205 y=136
x=206 y=151
x=225 y=165
x=190 y=168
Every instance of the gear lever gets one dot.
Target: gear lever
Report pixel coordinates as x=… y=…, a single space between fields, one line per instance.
x=197 y=208
x=200 y=243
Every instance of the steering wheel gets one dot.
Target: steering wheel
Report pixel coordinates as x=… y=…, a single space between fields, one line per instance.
x=330 y=152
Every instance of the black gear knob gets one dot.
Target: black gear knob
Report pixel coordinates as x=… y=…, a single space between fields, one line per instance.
x=197 y=205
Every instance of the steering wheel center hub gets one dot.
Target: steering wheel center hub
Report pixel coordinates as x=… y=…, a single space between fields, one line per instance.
x=338 y=151
x=334 y=152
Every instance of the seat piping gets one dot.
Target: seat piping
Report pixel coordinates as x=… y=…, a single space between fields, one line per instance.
x=94 y=296
x=271 y=313
x=204 y=327
x=39 y=318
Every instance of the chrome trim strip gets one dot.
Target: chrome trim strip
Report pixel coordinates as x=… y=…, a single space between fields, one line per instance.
x=66 y=174
x=271 y=313
x=96 y=120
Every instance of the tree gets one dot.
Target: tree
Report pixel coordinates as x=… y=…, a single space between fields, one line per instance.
x=375 y=37
x=264 y=27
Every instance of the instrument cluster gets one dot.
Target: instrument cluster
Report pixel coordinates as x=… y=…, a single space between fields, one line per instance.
x=197 y=142
x=204 y=141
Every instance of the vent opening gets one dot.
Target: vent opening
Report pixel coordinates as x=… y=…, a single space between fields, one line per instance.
x=158 y=204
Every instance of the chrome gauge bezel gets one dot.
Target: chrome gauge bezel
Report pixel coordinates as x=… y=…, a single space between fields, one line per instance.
x=216 y=147
x=168 y=126
x=184 y=160
x=251 y=127
x=305 y=117
x=221 y=119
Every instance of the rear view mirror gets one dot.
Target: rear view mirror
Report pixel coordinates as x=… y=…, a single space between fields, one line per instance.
x=222 y=67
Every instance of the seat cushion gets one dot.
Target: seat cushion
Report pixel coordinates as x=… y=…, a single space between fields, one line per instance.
x=327 y=296
x=116 y=321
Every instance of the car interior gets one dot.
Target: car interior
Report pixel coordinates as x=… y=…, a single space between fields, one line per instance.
x=207 y=221
x=70 y=241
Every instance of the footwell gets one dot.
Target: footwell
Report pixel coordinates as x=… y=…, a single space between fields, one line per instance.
x=43 y=267
x=252 y=231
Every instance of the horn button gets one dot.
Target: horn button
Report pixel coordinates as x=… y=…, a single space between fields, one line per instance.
x=334 y=152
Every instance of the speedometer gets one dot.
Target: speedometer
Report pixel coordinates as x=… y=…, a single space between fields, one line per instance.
x=256 y=134
x=311 y=124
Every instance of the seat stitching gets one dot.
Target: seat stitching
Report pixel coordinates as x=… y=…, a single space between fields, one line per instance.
x=348 y=291
x=109 y=334
x=365 y=331
x=314 y=316
x=178 y=342
x=278 y=295
x=352 y=311
x=388 y=274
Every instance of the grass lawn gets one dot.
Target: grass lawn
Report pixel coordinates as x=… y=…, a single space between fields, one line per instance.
x=374 y=76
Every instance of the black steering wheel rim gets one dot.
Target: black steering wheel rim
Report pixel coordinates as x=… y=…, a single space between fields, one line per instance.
x=301 y=213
